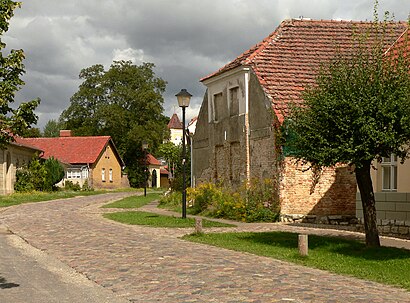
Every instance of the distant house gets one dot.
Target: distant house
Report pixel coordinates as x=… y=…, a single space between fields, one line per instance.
x=14 y=156
x=92 y=159
x=248 y=99
x=175 y=127
x=158 y=174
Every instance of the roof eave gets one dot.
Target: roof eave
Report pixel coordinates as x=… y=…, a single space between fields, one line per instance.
x=225 y=74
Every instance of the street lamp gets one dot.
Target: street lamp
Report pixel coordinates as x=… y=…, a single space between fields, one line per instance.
x=183 y=98
x=144 y=148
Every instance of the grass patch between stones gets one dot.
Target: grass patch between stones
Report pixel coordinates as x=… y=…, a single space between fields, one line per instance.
x=155 y=220
x=36 y=196
x=134 y=201
x=386 y=265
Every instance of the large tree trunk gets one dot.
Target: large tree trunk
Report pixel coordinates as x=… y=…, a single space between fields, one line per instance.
x=364 y=182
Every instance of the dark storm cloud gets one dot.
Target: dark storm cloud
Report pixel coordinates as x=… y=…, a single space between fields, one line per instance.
x=185 y=39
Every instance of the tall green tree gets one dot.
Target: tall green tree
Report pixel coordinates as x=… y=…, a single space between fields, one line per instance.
x=358 y=112
x=124 y=102
x=12 y=121
x=52 y=129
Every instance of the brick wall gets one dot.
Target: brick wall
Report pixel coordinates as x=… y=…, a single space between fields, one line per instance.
x=334 y=193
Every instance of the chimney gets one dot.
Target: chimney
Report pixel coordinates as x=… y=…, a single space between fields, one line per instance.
x=65 y=133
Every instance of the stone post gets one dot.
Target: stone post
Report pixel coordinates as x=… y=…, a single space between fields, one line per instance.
x=303 y=245
x=198 y=225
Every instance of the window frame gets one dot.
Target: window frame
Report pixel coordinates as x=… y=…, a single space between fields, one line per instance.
x=389 y=163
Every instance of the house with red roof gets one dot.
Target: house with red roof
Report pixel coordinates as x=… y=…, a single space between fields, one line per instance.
x=158 y=173
x=246 y=102
x=91 y=159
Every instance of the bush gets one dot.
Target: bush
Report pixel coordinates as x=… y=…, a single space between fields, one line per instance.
x=172 y=200
x=31 y=177
x=255 y=203
x=55 y=173
x=69 y=185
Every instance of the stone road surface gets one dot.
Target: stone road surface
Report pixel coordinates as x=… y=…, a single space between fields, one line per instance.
x=143 y=264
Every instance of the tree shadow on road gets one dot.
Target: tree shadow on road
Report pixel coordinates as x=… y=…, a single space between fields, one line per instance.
x=4 y=284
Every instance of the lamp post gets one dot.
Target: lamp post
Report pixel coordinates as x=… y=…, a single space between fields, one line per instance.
x=183 y=98
x=145 y=147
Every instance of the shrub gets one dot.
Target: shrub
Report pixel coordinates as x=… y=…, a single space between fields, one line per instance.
x=31 y=177
x=257 y=202
x=69 y=185
x=171 y=200
x=55 y=173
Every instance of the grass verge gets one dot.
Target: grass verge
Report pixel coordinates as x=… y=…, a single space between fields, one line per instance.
x=134 y=201
x=19 y=198
x=348 y=257
x=155 y=220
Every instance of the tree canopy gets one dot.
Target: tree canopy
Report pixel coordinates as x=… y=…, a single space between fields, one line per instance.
x=124 y=102
x=12 y=121
x=358 y=111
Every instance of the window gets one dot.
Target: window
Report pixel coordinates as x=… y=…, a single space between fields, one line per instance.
x=103 y=174
x=389 y=173
x=110 y=176
x=218 y=107
x=234 y=101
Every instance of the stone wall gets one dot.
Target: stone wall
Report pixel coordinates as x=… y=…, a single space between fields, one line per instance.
x=332 y=192
x=393 y=213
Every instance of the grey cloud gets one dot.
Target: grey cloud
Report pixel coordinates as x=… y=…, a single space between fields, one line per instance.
x=186 y=39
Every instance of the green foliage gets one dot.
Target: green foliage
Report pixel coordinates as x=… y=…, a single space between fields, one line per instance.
x=255 y=203
x=13 y=121
x=69 y=185
x=39 y=175
x=32 y=132
x=172 y=200
x=31 y=177
x=55 y=173
x=52 y=129
x=124 y=102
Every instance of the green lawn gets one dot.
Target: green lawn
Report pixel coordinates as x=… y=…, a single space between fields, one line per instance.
x=134 y=201
x=155 y=220
x=386 y=265
x=19 y=198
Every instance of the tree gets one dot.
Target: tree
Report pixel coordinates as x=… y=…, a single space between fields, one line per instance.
x=33 y=132
x=55 y=173
x=124 y=102
x=358 y=112
x=52 y=129
x=12 y=121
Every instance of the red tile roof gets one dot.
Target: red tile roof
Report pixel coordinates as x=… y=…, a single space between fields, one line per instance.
x=289 y=58
x=174 y=122
x=399 y=43
x=151 y=160
x=73 y=150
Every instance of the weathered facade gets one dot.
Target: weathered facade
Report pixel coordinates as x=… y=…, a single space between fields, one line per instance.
x=11 y=158
x=238 y=128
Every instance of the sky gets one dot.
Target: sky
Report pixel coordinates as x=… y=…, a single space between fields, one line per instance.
x=185 y=39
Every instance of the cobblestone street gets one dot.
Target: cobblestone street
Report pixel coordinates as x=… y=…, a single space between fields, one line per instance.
x=143 y=264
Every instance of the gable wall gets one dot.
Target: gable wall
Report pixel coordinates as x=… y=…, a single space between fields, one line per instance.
x=107 y=161
x=219 y=151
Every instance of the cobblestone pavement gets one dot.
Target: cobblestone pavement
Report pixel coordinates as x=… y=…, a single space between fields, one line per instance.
x=144 y=264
